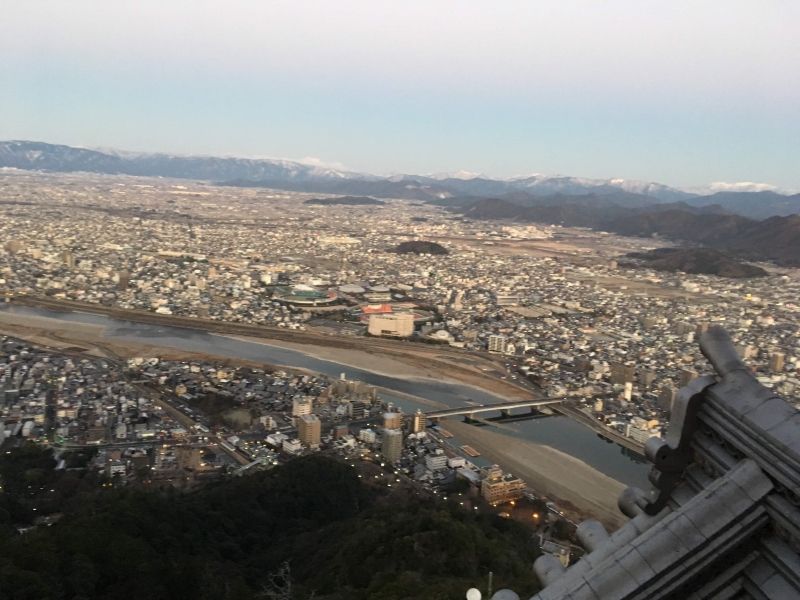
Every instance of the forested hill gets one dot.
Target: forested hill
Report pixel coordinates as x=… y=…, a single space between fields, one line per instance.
x=775 y=239
x=340 y=538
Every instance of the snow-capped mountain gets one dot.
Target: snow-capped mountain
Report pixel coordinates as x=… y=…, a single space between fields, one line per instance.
x=560 y=184
x=54 y=157
x=310 y=175
x=461 y=174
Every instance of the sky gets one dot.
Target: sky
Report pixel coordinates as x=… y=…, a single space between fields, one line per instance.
x=683 y=92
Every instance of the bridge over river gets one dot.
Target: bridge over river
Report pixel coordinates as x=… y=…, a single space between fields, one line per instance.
x=560 y=405
x=502 y=407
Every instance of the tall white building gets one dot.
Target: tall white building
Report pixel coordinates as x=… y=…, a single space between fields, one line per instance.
x=418 y=422
x=497 y=343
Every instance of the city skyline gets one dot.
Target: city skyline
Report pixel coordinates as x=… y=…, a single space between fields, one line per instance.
x=419 y=88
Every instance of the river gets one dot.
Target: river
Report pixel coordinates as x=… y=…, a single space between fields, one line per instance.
x=559 y=432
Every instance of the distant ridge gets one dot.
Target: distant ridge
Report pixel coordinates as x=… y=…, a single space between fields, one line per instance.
x=705 y=261
x=775 y=239
x=52 y=157
x=297 y=176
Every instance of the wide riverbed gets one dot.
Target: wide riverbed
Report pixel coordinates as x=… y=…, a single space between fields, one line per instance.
x=558 y=432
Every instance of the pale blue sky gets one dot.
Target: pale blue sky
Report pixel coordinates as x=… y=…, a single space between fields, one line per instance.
x=682 y=92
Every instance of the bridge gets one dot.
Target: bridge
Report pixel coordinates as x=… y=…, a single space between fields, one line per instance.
x=502 y=407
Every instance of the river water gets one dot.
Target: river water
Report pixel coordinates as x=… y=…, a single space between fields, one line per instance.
x=558 y=432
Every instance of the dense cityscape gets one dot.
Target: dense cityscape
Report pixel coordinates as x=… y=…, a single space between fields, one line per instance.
x=399 y=301
x=560 y=311
x=555 y=302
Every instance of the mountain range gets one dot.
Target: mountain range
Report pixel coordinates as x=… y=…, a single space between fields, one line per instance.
x=760 y=225
x=298 y=176
x=776 y=238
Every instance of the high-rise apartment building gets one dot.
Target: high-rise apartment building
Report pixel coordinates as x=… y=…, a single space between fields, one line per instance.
x=418 y=422
x=392 y=445
x=309 y=429
x=301 y=405
x=392 y=420
x=497 y=343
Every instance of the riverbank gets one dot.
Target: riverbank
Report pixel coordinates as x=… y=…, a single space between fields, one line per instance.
x=89 y=340
x=406 y=366
x=572 y=483
x=548 y=468
x=382 y=357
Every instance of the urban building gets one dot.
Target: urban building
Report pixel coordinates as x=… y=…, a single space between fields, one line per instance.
x=392 y=420
x=358 y=410
x=340 y=431
x=368 y=436
x=292 y=446
x=622 y=373
x=418 y=422
x=301 y=406
x=436 y=462
x=497 y=343
x=309 y=429
x=392 y=445
x=391 y=325
x=666 y=397
x=776 y=362
x=498 y=487
x=507 y=299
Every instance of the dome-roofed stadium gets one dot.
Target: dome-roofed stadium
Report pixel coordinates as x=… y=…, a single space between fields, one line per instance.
x=305 y=295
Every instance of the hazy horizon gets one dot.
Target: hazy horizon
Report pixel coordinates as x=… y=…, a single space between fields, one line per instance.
x=684 y=94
